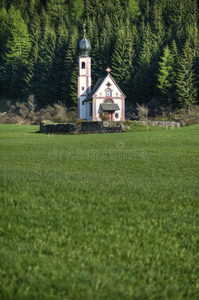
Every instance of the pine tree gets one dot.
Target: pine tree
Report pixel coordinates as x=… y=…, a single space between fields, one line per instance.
x=103 y=49
x=58 y=12
x=58 y=63
x=4 y=29
x=42 y=79
x=34 y=54
x=186 y=82
x=122 y=61
x=144 y=80
x=134 y=10
x=158 y=26
x=70 y=64
x=166 y=78
x=77 y=10
x=15 y=59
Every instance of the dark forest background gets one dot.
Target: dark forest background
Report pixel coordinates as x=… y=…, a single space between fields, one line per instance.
x=151 y=46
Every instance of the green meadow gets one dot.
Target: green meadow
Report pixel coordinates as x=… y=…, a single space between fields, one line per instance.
x=99 y=216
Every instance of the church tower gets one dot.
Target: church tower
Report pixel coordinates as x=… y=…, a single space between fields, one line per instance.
x=84 y=78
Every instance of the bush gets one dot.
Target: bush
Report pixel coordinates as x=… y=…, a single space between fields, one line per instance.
x=128 y=123
x=142 y=111
x=78 y=124
x=73 y=116
x=104 y=116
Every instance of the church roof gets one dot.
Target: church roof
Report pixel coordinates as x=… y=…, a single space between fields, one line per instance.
x=95 y=88
x=109 y=107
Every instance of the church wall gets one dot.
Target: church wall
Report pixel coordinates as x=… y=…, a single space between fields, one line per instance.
x=102 y=90
x=98 y=108
x=82 y=108
x=88 y=116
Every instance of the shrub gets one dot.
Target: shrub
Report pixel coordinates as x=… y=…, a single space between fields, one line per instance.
x=73 y=116
x=104 y=116
x=142 y=111
x=128 y=123
x=78 y=124
x=60 y=112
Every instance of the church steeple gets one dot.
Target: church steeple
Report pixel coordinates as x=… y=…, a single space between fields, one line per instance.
x=84 y=45
x=84 y=78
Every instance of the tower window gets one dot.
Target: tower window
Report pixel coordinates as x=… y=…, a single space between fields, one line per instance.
x=83 y=65
x=82 y=88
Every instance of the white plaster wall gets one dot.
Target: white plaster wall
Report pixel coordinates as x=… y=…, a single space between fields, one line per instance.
x=113 y=87
x=98 y=108
x=82 y=108
x=89 y=118
x=119 y=103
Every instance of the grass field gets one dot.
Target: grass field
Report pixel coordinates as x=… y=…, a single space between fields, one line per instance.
x=105 y=216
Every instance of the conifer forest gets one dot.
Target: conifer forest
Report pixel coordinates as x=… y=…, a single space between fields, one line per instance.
x=151 y=46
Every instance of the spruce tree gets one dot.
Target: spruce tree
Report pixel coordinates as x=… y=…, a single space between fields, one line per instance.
x=15 y=58
x=144 y=81
x=166 y=78
x=77 y=10
x=70 y=64
x=42 y=80
x=122 y=61
x=186 y=82
x=58 y=63
x=103 y=49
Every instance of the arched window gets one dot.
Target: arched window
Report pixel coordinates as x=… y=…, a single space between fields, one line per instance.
x=108 y=101
x=83 y=65
x=108 y=92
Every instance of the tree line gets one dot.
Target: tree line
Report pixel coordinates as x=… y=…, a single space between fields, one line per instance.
x=151 y=47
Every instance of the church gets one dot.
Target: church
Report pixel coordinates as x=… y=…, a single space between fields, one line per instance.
x=105 y=97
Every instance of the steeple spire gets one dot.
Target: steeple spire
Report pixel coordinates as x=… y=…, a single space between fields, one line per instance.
x=84 y=44
x=84 y=29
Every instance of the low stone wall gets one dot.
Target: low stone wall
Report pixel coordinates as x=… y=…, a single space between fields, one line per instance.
x=84 y=127
x=159 y=123
x=57 y=128
x=91 y=127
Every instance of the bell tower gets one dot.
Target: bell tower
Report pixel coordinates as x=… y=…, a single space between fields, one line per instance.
x=84 y=77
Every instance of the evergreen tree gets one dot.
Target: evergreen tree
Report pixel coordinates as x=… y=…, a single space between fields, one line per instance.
x=158 y=26
x=34 y=54
x=144 y=81
x=70 y=64
x=77 y=10
x=58 y=63
x=58 y=12
x=102 y=50
x=122 y=61
x=166 y=78
x=15 y=59
x=42 y=80
x=4 y=29
x=186 y=83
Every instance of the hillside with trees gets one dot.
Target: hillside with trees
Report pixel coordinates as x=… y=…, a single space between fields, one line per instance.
x=152 y=47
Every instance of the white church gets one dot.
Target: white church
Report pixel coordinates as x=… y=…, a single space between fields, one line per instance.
x=106 y=95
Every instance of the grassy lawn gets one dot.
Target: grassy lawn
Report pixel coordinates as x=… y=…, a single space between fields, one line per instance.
x=102 y=216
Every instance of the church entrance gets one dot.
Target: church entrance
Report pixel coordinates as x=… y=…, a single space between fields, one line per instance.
x=110 y=115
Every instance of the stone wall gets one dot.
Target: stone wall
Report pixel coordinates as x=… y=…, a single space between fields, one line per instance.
x=57 y=128
x=84 y=127
x=97 y=127
x=158 y=123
